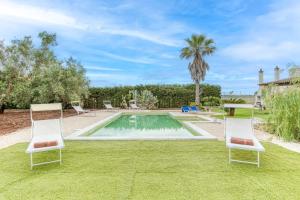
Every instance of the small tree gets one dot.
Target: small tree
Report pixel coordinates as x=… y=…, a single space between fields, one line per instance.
x=124 y=103
x=147 y=100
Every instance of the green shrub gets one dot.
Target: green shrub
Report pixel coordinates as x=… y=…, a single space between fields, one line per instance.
x=211 y=101
x=234 y=101
x=284 y=108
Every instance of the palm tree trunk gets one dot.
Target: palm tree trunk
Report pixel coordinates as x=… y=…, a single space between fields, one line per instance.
x=197 y=93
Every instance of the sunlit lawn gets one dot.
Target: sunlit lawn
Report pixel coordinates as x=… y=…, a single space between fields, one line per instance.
x=150 y=170
x=245 y=113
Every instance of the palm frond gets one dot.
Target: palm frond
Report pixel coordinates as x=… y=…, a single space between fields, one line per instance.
x=186 y=53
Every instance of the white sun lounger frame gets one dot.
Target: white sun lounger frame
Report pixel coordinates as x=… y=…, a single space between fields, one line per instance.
x=241 y=128
x=44 y=125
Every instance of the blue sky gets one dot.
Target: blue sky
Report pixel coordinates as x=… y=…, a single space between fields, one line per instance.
x=138 y=42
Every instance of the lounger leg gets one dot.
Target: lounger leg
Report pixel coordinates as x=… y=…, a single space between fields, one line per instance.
x=258 y=159
x=229 y=156
x=31 y=161
x=60 y=157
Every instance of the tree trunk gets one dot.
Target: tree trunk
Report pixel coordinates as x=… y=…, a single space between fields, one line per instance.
x=2 y=107
x=197 y=93
x=231 y=111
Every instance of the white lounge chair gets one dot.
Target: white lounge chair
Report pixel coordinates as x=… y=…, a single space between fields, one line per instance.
x=45 y=131
x=79 y=110
x=242 y=129
x=76 y=106
x=132 y=104
x=107 y=105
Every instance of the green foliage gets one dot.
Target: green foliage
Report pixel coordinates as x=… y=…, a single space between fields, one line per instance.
x=284 y=108
x=30 y=74
x=147 y=100
x=193 y=104
x=211 y=101
x=168 y=96
x=234 y=100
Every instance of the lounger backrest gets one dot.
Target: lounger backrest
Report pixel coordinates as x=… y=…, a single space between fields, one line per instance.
x=45 y=107
x=49 y=127
x=46 y=127
x=133 y=105
x=241 y=128
x=107 y=105
x=78 y=108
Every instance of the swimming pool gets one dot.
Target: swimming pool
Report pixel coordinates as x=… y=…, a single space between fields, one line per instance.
x=141 y=126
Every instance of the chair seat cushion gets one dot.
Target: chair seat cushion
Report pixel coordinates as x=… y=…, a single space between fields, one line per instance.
x=242 y=141
x=45 y=144
x=32 y=149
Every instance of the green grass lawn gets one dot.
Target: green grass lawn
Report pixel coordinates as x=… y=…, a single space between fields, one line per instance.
x=150 y=170
x=245 y=113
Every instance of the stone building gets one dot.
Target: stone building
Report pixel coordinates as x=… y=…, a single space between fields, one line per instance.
x=278 y=84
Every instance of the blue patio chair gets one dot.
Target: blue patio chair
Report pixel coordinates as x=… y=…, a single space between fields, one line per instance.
x=194 y=109
x=185 y=108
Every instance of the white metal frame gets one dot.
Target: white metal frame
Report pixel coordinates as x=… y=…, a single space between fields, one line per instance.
x=257 y=162
x=244 y=161
x=45 y=107
x=32 y=164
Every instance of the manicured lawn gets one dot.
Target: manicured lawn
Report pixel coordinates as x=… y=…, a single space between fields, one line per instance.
x=246 y=113
x=150 y=170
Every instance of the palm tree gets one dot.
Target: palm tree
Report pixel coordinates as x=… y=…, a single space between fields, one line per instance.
x=198 y=46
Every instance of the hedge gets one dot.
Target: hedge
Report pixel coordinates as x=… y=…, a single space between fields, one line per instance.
x=169 y=96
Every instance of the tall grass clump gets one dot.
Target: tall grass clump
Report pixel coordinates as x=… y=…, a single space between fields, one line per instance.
x=284 y=118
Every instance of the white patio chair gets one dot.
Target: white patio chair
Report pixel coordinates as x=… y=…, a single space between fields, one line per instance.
x=243 y=129
x=132 y=104
x=43 y=131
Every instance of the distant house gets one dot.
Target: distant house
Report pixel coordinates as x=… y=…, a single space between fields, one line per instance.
x=278 y=84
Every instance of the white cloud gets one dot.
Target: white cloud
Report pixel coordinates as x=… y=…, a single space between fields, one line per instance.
x=152 y=37
x=119 y=78
x=261 y=51
x=37 y=14
x=273 y=36
x=102 y=68
x=142 y=60
x=113 y=26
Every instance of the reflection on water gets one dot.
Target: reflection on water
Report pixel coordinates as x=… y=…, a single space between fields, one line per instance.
x=143 y=126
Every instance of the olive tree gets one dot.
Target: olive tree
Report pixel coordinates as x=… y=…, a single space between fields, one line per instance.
x=30 y=74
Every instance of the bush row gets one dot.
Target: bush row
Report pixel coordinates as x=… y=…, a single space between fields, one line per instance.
x=169 y=96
